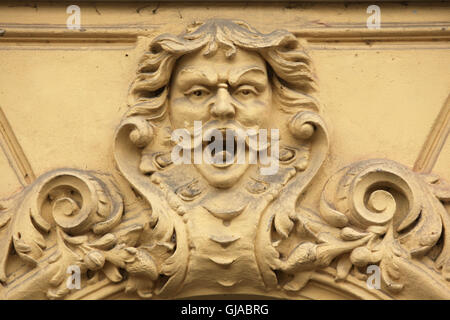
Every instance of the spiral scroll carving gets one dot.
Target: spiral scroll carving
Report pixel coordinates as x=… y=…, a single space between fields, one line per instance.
x=79 y=203
x=399 y=212
x=67 y=219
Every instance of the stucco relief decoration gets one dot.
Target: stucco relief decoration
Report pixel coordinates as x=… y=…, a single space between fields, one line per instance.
x=204 y=228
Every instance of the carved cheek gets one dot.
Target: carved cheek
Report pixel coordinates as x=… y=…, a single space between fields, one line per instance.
x=254 y=112
x=183 y=111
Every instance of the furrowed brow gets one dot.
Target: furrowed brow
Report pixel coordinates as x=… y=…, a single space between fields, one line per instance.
x=190 y=76
x=252 y=75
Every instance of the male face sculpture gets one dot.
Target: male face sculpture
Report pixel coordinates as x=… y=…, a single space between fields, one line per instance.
x=224 y=93
x=225 y=77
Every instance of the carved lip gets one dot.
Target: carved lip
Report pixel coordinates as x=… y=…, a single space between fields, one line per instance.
x=228 y=283
x=226 y=156
x=224 y=240
x=225 y=215
x=222 y=261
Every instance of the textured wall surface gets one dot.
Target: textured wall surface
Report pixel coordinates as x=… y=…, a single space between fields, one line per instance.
x=66 y=96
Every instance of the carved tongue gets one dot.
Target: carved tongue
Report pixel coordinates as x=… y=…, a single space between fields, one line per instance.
x=222 y=156
x=226 y=156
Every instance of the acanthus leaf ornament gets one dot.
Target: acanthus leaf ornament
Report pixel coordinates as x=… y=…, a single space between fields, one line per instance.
x=64 y=219
x=400 y=211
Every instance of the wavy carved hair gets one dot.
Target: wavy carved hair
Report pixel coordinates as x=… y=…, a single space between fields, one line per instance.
x=290 y=66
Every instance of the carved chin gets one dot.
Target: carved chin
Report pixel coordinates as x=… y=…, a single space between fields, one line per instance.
x=224 y=177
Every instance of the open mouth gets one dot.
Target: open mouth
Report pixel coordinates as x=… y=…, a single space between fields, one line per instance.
x=222 y=147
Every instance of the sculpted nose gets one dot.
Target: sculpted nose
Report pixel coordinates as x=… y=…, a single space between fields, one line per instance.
x=223 y=106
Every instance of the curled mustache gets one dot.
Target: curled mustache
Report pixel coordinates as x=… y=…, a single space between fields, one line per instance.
x=215 y=128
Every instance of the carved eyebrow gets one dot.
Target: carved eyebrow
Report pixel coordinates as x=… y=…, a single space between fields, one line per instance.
x=189 y=76
x=258 y=79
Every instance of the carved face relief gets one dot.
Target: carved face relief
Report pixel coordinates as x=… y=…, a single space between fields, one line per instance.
x=159 y=229
x=224 y=93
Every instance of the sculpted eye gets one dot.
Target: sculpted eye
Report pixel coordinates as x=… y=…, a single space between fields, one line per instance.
x=246 y=91
x=197 y=92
